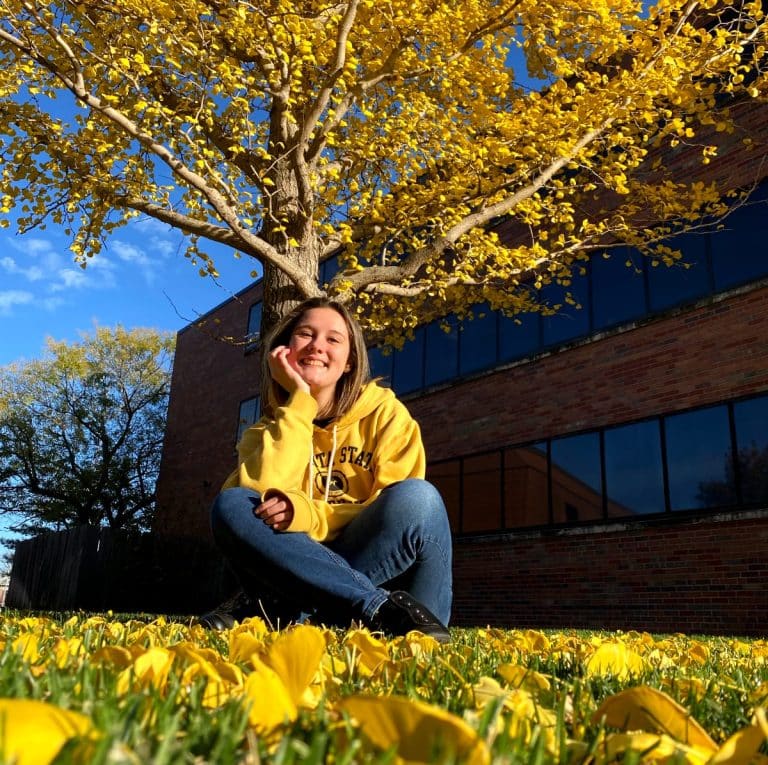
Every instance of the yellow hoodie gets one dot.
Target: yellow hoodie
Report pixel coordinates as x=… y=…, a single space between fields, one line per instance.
x=375 y=444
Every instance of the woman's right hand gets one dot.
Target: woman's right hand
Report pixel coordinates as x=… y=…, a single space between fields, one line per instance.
x=283 y=372
x=276 y=512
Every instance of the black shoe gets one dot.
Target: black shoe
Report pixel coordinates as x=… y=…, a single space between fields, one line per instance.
x=400 y=613
x=224 y=616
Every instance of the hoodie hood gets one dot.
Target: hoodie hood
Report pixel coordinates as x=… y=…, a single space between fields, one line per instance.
x=371 y=397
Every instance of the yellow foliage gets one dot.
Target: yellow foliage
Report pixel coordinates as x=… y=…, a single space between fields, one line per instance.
x=35 y=732
x=402 y=135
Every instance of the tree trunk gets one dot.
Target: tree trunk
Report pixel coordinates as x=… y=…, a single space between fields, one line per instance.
x=280 y=293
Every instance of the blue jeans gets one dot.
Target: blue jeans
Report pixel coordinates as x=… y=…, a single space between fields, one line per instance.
x=402 y=541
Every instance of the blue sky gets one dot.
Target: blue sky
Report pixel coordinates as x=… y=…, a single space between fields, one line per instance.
x=141 y=279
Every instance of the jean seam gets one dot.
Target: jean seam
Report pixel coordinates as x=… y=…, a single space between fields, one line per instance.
x=374 y=605
x=339 y=560
x=445 y=559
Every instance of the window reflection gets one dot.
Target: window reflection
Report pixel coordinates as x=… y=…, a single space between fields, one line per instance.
x=254 y=319
x=381 y=364
x=477 y=349
x=687 y=280
x=409 y=364
x=481 y=492
x=739 y=251
x=254 y=326
x=441 y=352
x=576 y=479
x=250 y=411
x=634 y=478
x=519 y=336
x=328 y=269
x=699 y=459
x=446 y=477
x=571 y=321
x=526 y=498
x=751 y=419
x=618 y=290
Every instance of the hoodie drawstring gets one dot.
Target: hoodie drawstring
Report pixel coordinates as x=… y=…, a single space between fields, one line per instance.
x=330 y=467
x=312 y=468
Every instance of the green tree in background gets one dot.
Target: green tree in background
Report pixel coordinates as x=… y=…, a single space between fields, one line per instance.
x=81 y=431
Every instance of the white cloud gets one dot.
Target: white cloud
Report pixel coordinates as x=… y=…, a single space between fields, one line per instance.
x=11 y=298
x=99 y=274
x=144 y=248
x=160 y=238
x=69 y=278
x=31 y=245
x=136 y=256
x=32 y=274
x=128 y=252
x=51 y=303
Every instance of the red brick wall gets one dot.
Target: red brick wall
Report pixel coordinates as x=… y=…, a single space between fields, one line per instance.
x=688 y=358
x=706 y=576
x=683 y=574
x=211 y=376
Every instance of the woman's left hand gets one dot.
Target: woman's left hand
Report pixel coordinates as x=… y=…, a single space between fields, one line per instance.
x=276 y=512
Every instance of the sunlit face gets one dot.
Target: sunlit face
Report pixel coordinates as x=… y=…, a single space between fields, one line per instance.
x=320 y=347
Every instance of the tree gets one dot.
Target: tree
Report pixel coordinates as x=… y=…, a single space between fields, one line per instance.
x=402 y=134
x=81 y=431
x=752 y=465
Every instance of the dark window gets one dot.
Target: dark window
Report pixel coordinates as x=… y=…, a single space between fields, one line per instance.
x=250 y=411
x=328 y=269
x=699 y=459
x=441 y=351
x=740 y=250
x=381 y=364
x=576 y=478
x=618 y=288
x=519 y=336
x=254 y=326
x=751 y=419
x=481 y=492
x=634 y=479
x=409 y=364
x=526 y=498
x=686 y=280
x=477 y=348
x=572 y=318
x=446 y=477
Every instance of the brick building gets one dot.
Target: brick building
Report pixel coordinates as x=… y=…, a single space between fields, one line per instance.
x=605 y=467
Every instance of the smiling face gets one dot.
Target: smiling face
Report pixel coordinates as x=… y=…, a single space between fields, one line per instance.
x=319 y=346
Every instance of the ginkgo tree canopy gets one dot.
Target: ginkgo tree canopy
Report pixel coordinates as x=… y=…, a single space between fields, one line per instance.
x=401 y=133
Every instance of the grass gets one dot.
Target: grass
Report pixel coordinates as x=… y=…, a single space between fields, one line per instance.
x=136 y=690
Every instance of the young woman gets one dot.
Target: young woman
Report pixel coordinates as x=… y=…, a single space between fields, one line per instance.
x=328 y=514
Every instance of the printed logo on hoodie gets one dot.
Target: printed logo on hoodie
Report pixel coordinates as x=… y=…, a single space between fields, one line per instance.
x=352 y=455
x=339 y=485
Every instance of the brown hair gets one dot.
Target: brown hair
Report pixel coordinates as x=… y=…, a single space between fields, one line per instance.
x=350 y=383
